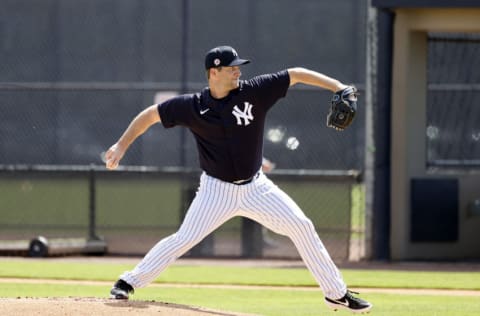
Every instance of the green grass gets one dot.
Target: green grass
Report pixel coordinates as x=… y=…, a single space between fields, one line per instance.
x=298 y=303
x=413 y=279
x=268 y=301
x=241 y=275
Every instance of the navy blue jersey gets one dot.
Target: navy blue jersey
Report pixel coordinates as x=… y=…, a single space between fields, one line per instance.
x=228 y=131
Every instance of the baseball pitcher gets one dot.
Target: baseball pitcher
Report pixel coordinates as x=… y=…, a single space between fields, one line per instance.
x=227 y=119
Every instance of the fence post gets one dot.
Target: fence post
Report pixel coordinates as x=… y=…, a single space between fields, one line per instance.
x=92 y=235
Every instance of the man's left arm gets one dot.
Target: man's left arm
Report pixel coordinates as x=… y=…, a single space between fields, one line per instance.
x=313 y=78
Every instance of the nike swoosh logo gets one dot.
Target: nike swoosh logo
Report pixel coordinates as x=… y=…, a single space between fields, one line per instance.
x=346 y=303
x=204 y=111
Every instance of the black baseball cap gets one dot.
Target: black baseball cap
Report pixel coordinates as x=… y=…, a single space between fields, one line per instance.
x=223 y=56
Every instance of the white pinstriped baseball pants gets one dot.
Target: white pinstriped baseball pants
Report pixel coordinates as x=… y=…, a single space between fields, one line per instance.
x=261 y=200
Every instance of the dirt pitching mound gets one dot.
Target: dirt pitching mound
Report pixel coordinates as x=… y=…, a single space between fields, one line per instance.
x=99 y=307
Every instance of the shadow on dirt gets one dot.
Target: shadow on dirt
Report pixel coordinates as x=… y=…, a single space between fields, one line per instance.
x=132 y=304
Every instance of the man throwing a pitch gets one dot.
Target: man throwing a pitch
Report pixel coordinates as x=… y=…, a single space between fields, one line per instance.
x=227 y=119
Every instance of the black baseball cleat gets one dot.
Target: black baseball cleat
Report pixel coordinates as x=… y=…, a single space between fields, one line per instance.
x=349 y=303
x=121 y=290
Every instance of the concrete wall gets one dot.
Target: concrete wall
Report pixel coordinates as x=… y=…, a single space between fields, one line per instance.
x=408 y=155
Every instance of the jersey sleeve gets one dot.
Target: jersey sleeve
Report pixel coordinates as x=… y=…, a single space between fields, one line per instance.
x=175 y=111
x=271 y=87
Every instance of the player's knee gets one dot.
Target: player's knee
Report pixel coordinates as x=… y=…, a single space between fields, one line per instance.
x=186 y=241
x=304 y=224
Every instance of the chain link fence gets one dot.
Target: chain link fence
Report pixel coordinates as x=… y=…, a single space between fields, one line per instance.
x=73 y=75
x=453 y=97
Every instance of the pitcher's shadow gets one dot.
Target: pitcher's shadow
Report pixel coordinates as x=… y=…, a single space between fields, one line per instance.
x=160 y=305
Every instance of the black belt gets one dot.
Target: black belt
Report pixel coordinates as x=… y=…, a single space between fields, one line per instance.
x=246 y=181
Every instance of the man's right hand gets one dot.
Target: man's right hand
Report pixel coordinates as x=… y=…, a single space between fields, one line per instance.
x=113 y=156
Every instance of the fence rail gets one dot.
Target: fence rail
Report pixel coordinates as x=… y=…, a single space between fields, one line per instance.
x=115 y=85
x=327 y=175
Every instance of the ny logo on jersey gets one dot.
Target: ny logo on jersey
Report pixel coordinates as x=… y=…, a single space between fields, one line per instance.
x=246 y=114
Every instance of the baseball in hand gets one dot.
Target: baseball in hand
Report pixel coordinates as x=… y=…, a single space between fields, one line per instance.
x=102 y=156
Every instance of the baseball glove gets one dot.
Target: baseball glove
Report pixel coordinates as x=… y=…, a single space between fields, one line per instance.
x=343 y=109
